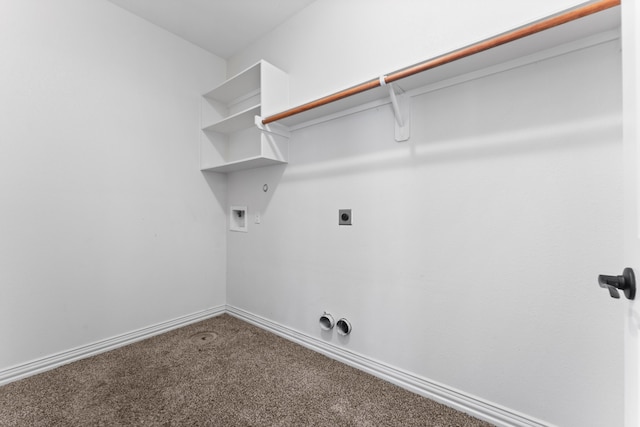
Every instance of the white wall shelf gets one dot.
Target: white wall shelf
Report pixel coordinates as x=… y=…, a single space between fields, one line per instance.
x=246 y=163
x=242 y=83
x=230 y=140
x=235 y=122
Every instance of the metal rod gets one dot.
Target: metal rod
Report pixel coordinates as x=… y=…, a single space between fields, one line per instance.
x=527 y=30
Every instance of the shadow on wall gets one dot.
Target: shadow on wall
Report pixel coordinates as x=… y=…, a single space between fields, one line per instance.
x=259 y=186
x=420 y=151
x=561 y=103
x=218 y=184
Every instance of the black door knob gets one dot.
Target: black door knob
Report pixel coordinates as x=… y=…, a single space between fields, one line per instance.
x=626 y=283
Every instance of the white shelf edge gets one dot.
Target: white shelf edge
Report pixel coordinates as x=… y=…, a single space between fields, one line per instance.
x=553 y=52
x=572 y=33
x=241 y=120
x=246 y=163
x=563 y=49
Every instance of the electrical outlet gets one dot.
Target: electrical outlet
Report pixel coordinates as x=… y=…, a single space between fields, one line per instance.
x=344 y=217
x=257 y=219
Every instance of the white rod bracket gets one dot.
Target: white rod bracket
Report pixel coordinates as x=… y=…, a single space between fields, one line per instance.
x=272 y=128
x=396 y=107
x=402 y=111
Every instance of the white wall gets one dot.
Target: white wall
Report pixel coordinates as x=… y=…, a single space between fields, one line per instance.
x=334 y=44
x=475 y=247
x=107 y=224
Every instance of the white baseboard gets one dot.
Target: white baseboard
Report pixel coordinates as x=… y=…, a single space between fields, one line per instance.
x=456 y=399
x=50 y=362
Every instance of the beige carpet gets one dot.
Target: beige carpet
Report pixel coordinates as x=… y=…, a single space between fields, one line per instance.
x=219 y=372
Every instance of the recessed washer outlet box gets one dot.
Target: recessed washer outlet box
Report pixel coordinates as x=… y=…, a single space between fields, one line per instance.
x=344 y=217
x=238 y=219
x=326 y=322
x=343 y=326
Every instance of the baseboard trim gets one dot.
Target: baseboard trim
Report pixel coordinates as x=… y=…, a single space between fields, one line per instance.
x=456 y=399
x=50 y=362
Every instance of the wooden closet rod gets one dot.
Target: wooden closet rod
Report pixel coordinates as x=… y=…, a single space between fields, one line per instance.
x=527 y=30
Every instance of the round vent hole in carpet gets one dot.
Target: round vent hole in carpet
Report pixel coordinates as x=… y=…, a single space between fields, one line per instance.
x=203 y=337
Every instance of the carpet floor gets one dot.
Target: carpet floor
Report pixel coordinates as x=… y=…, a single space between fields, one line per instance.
x=218 y=372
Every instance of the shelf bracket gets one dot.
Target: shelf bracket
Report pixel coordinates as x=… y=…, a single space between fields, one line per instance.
x=272 y=128
x=401 y=110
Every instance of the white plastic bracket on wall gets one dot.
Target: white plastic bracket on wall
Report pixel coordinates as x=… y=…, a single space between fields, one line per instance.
x=401 y=110
x=272 y=128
